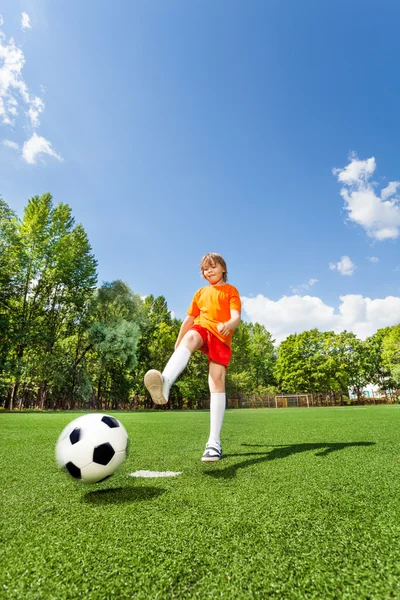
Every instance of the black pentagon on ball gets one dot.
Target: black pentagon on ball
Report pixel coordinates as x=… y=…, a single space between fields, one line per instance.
x=110 y=421
x=103 y=454
x=75 y=435
x=73 y=470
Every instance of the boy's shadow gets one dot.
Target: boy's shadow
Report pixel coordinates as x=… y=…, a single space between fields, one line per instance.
x=280 y=451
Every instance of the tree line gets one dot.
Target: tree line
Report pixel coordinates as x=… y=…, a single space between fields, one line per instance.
x=67 y=343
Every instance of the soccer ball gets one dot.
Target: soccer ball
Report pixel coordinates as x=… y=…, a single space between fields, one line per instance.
x=92 y=447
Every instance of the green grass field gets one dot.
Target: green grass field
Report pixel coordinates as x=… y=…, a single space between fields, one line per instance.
x=305 y=504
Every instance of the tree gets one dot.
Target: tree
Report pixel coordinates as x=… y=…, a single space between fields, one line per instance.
x=263 y=356
x=378 y=372
x=301 y=365
x=391 y=353
x=353 y=356
x=9 y=250
x=239 y=377
x=113 y=339
x=155 y=313
x=54 y=276
x=315 y=361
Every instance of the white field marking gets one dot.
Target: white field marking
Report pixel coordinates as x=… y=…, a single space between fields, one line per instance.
x=155 y=473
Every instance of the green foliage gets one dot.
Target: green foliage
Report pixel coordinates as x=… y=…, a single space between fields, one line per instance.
x=49 y=276
x=315 y=361
x=116 y=342
x=263 y=356
x=112 y=340
x=391 y=353
x=300 y=361
x=352 y=356
x=157 y=339
x=238 y=380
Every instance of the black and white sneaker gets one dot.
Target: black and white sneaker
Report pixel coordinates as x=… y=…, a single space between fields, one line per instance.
x=212 y=453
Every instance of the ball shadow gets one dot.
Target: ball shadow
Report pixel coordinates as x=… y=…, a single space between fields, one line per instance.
x=122 y=495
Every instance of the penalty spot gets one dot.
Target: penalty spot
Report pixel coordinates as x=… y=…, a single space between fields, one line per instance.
x=150 y=474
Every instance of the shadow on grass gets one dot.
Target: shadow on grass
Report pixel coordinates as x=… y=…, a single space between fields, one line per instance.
x=280 y=451
x=121 y=495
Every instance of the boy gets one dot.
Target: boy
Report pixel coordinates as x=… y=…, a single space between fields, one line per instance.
x=211 y=320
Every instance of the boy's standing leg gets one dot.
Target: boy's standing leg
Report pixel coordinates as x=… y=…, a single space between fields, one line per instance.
x=216 y=382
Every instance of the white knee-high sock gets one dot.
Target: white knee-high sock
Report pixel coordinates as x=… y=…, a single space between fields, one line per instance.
x=174 y=367
x=217 y=411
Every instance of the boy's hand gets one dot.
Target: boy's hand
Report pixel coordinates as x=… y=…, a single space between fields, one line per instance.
x=223 y=328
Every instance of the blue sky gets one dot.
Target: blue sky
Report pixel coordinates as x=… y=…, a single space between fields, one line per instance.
x=266 y=131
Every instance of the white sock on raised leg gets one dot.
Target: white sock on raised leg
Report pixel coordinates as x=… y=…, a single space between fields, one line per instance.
x=217 y=411
x=174 y=367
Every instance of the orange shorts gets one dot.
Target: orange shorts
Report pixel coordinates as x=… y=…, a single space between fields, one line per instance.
x=216 y=350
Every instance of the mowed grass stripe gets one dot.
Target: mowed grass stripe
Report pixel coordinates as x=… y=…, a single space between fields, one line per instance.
x=305 y=504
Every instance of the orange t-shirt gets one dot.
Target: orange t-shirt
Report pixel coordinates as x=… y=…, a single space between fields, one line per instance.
x=212 y=305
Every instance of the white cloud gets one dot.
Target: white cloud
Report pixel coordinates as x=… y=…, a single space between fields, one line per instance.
x=36 y=146
x=12 y=85
x=390 y=190
x=345 y=266
x=16 y=100
x=1 y=20
x=304 y=286
x=373 y=259
x=36 y=107
x=356 y=171
x=295 y=314
x=378 y=214
x=11 y=144
x=25 y=21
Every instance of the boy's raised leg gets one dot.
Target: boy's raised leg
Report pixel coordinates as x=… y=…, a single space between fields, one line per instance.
x=158 y=384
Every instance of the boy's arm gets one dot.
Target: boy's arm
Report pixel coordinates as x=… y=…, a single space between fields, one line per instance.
x=228 y=326
x=186 y=325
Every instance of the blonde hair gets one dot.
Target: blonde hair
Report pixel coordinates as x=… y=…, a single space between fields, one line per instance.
x=212 y=257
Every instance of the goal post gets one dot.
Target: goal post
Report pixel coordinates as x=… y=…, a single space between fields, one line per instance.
x=293 y=400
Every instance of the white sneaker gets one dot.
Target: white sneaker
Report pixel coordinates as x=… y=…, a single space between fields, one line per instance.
x=212 y=453
x=156 y=386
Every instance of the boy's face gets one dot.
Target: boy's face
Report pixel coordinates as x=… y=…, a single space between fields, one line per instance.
x=213 y=272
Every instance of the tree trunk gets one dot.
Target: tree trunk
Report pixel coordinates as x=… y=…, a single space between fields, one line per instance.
x=14 y=392
x=98 y=392
x=43 y=394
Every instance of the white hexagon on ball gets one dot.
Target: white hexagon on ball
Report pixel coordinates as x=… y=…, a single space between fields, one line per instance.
x=92 y=447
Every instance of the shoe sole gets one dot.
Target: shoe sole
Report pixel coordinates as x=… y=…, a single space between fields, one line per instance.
x=154 y=383
x=210 y=458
